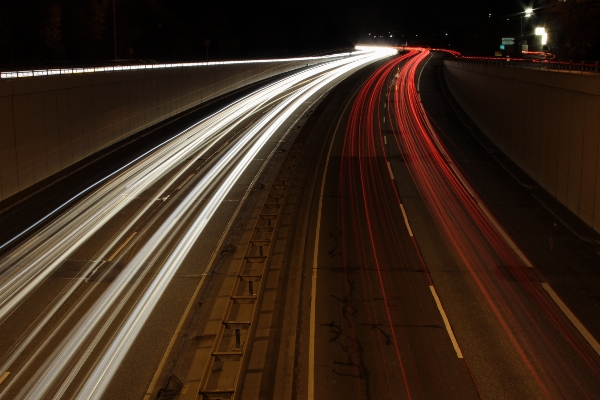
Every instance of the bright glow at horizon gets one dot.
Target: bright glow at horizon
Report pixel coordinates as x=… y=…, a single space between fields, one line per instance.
x=391 y=50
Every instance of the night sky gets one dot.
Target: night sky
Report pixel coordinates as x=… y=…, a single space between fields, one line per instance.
x=34 y=32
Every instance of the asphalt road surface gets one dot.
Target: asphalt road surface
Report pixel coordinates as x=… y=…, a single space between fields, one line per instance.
x=406 y=238
x=375 y=246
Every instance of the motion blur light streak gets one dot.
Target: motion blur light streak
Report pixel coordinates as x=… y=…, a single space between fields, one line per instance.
x=107 y=367
x=483 y=248
x=365 y=185
x=31 y=263
x=379 y=256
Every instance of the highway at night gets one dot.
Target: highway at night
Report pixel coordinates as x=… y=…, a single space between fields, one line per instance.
x=333 y=234
x=428 y=296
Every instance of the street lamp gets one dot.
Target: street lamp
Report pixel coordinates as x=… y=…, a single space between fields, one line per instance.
x=528 y=12
x=115 y=29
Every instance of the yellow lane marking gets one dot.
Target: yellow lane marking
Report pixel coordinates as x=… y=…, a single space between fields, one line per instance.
x=4 y=376
x=165 y=357
x=446 y=322
x=122 y=246
x=574 y=320
x=184 y=182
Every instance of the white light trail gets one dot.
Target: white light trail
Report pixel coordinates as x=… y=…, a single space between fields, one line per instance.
x=31 y=263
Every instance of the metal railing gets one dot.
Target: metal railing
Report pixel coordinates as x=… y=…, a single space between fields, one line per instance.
x=541 y=64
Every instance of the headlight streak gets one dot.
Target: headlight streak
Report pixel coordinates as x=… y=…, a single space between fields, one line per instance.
x=76 y=283
x=111 y=359
x=40 y=255
x=42 y=238
x=106 y=178
x=49 y=312
x=18 y=282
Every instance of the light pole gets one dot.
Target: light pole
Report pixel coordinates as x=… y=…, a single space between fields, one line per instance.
x=115 y=29
x=528 y=13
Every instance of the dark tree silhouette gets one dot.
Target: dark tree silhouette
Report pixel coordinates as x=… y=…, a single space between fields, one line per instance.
x=577 y=27
x=36 y=31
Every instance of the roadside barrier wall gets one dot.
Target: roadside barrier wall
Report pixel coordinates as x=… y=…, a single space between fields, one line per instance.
x=48 y=123
x=547 y=122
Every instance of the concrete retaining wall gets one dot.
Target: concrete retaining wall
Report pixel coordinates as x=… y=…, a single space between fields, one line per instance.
x=548 y=123
x=48 y=123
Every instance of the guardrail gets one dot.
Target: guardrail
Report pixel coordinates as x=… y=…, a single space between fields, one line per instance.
x=591 y=67
x=545 y=65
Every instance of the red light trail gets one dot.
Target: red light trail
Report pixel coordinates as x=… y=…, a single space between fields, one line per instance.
x=519 y=308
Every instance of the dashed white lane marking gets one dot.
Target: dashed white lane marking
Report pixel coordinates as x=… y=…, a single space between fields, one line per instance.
x=446 y=322
x=385 y=140
x=121 y=247
x=574 y=320
x=406 y=220
x=390 y=169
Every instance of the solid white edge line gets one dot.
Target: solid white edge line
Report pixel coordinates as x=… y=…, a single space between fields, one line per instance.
x=313 y=289
x=503 y=233
x=574 y=320
x=406 y=220
x=419 y=80
x=390 y=169
x=446 y=322
x=4 y=376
